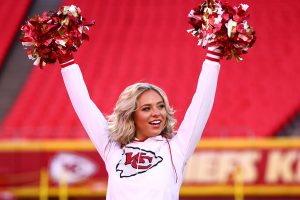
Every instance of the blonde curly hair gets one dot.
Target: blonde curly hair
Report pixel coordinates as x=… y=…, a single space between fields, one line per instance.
x=121 y=124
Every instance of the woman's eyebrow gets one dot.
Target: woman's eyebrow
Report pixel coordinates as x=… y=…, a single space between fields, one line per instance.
x=149 y=104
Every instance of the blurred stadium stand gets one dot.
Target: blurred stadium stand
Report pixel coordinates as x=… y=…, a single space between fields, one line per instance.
x=16 y=66
x=12 y=15
x=139 y=40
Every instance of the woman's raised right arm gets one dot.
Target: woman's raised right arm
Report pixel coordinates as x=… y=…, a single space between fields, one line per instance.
x=90 y=116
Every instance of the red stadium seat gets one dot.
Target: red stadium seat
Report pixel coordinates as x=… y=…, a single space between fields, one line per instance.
x=11 y=16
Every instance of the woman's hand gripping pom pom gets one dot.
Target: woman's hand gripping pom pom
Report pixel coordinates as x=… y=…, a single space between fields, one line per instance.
x=219 y=24
x=54 y=35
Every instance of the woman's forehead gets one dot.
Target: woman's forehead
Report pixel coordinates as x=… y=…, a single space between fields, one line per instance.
x=149 y=97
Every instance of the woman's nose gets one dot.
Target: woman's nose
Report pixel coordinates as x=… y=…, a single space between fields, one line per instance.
x=155 y=112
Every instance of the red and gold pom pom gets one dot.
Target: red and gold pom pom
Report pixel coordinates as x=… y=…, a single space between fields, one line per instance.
x=218 y=24
x=52 y=34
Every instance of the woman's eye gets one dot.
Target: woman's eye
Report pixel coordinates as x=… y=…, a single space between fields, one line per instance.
x=162 y=106
x=146 y=109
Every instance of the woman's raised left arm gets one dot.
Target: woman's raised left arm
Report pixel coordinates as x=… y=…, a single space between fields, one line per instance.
x=197 y=114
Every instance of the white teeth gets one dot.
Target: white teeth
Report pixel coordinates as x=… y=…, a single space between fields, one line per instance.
x=155 y=122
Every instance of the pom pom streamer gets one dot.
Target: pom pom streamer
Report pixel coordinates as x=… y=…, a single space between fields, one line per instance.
x=50 y=35
x=219 y=24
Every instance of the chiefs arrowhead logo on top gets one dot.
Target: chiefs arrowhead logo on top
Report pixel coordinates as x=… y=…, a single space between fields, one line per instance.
x=136 y=161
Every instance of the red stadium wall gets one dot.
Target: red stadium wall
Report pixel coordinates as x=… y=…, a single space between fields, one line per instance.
x=250 y=169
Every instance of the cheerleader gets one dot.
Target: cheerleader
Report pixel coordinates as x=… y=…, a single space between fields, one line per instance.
x=143 y=156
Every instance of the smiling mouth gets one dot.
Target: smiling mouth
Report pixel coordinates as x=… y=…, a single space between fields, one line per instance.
x=155 y=123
